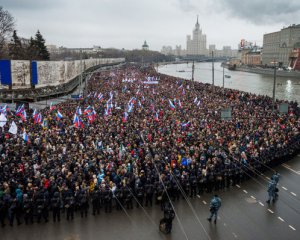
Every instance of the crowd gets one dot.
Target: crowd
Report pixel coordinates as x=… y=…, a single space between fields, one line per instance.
x=145 y=139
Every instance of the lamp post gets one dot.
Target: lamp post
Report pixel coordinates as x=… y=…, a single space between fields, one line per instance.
x=213 y=68
x=274 y=86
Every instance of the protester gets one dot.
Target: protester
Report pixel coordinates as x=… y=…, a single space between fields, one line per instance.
x=136 y=135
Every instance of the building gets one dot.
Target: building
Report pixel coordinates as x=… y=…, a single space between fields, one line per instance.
x=295 y=58
x=167 y=50
x=145 y=46
x=197 y=44
x=251 y=56
x=278 y=46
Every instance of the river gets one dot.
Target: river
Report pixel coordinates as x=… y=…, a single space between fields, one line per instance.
x=286 y=88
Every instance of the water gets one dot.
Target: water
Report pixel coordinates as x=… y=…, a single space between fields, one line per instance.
x=286 y=88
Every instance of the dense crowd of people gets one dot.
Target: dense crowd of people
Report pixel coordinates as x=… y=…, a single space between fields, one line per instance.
x=152 y=134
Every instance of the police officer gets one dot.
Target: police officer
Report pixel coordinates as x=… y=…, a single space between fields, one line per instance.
x=169 y=215
x=28 y=208
x=215 y=204
x=83 y=202
x=69 y=205
x=95 y=195
x=55 y=205
x=128 y=197
x=2 y=211
x=41 y=207
x=193 y=184
x=271 y=191
x=149 y=193
x=107 y=195
x=275 y=177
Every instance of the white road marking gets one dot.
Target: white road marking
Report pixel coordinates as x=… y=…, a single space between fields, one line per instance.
x=204 y=202
x=294 y=194
x=284 y=188
x=253 y=197
x=270 y=210
x=292 y=227
x=238 y=186
x=261 y=203
x=289 y=168
x=245 y=191
x=268 y=178
x=234 y=235
x=198 y=196
x=280 y=219
x=225 y=224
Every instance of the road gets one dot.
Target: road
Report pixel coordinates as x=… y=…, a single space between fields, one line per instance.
x=244 y=215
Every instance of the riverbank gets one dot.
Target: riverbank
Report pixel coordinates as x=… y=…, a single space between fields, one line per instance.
x=266 y=71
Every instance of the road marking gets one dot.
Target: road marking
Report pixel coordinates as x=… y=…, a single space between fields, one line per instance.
x=292 y=227
x=268 y=178
x=294 y=194
x=253 y=197
x=234 y=235
x=198 y=196
x=238 y=186
x=204 y=202
x=245 y=191
x=270 y=210
x=261 y=203
x=289 y=168
x=284 y=188
x=225 y=224
x=280 y=219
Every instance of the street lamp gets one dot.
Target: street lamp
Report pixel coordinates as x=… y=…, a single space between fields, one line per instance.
x=274 y=86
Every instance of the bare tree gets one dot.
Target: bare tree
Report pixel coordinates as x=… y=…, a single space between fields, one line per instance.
x=7 y=24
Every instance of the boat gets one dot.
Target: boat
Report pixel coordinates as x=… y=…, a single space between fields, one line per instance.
x=181 y=71
x=227 y=76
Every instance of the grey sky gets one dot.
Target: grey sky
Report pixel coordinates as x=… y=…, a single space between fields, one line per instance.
x=127 y=23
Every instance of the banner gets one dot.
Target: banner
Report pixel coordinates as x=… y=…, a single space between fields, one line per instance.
x=20 y=73
x=5 y=70
x=34 y=73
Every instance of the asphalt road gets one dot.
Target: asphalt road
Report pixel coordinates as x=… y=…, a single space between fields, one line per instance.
x=244 y=215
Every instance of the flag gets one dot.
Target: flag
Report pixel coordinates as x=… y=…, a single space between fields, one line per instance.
x=35 y=113
x=121 y=150
x=4 y=109
x=3 y=120
x=130 y=107
x=13 y=128
x=77 y=122
x=198 y=103
x=183 y=91
x=100 y=96
x=125 y=117
x=92 y=116
x=156 y=117
x=195 y=100
x=80 y=96
x=52 y=107
x=59 y=115
x=78 y=111
x=21 y=113
x=39 y=119
x=171 y=105
x=140 y=104
x=25 y=137
x=87 y=110
x=179 y=104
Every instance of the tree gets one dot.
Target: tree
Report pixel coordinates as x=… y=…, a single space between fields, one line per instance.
x=6 y=28
x=15 y=47
x=40 y=47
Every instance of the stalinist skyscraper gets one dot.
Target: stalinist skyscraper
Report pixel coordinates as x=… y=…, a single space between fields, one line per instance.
x=197 y=45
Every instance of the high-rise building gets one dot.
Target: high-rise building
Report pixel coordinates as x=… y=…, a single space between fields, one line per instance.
x=197 y=44
x=277 y=46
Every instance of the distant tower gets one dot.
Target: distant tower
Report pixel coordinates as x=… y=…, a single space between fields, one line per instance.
x=145 y=46
x=196 y=45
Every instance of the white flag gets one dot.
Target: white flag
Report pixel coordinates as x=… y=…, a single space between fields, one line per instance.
x=3 y=120
x=13 y=128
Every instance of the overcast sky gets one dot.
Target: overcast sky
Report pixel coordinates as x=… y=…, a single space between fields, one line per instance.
x=127 y=23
